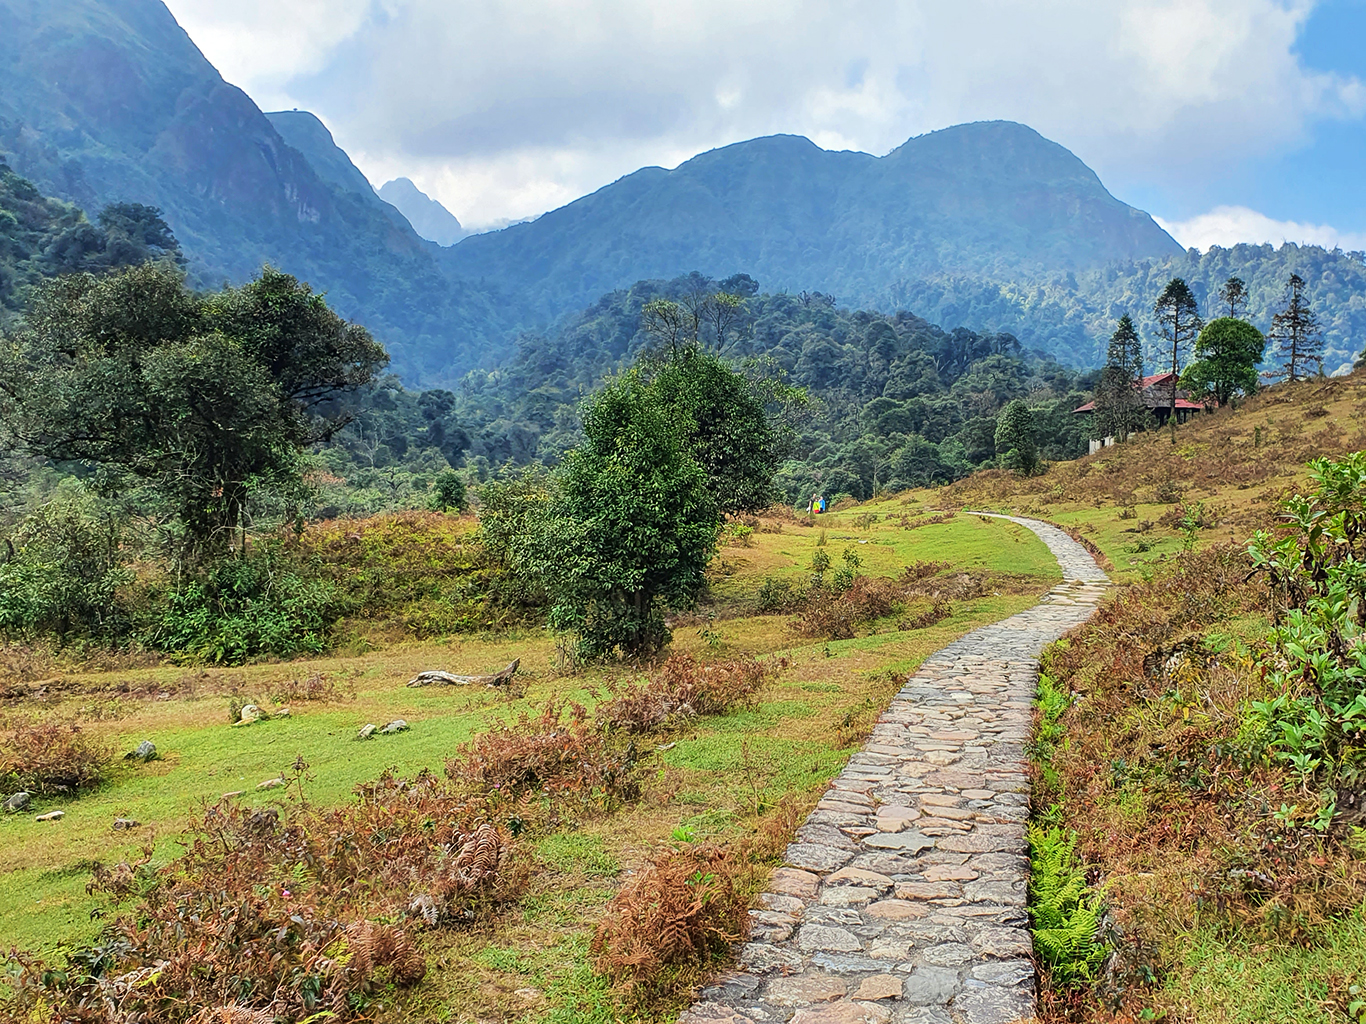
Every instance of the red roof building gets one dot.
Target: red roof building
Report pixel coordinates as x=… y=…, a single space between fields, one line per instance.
x=1156 y=394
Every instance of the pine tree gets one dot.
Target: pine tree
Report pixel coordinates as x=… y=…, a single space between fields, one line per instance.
x=1178 y=320
x=1296 y=329
x=1234 y=296
x=1119 y=409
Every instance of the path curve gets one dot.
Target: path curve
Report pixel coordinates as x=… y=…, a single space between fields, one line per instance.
x=903 y=897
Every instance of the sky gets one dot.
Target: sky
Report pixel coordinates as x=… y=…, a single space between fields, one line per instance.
x=1228 y=120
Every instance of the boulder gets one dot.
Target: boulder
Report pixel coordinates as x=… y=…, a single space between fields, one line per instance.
x=250 y=713
x=397 y=725
x=51 y=816
x=271 y=784
x=146 y=751
x=17 y=802
x=366 y=731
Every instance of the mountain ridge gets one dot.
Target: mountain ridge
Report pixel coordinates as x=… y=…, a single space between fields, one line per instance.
x=790 y=213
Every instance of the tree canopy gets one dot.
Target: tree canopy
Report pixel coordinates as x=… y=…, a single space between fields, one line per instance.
x=1226 y=356
x=630 y=525
x=206 y=398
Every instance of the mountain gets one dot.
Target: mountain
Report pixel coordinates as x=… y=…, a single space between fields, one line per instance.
x=989 y=226
x=993 y=200
x=105 y=101
x=429 y=218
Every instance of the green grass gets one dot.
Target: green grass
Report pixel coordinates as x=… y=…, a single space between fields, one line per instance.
x=797 y=736
x=1224 y=981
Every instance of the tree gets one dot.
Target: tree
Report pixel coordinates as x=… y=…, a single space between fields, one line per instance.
x=1015 y=440
x=1296 y=330
x=1178 y=320
x=630 y=525
x=1119 y=409
x=724 y=426
x=1226 y=357
x=206 y=398
x=666 y=320
x=1234 y=295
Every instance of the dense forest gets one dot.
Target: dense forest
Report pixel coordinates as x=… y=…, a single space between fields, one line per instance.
x=886 y=402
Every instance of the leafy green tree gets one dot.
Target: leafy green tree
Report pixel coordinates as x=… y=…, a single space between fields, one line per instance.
x=1226 y=357
x=629 y=527
x=725 y=427
x=448 y=492
x=1178 y=319
x=1015 y=440
x=1119 y=409
x=1297 y=333
x=205 y=398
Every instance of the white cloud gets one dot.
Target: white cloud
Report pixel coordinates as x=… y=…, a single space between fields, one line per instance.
x=500 y=108
x=1226 y=226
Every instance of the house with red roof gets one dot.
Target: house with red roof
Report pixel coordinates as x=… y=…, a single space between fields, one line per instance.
x=1156 y=393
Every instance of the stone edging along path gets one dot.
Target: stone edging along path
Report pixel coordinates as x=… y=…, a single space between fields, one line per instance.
x=903 y=897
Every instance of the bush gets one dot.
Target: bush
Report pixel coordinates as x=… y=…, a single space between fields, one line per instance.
x=448 y=492
x=422 y=572
x=265 y=603
x=670 y=922
x=557 y=753
x=681 y=690
x=53 y=758
x=63 y=573
x=285 y=914
x=836 y=616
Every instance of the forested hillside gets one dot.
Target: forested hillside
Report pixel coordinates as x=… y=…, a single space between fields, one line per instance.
x=42 y=237
x=893 y=401
x=104 y=102
x=1072 y=315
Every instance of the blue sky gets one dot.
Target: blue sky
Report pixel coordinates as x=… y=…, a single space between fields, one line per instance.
x=1228 y=120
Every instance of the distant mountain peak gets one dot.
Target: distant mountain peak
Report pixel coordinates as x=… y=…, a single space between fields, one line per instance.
x=428 y=217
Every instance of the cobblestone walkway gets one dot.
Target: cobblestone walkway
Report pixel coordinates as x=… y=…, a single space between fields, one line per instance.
x=903 y=897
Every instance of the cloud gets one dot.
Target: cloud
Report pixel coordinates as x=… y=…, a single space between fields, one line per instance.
x=501 y=109
x=1226 y=226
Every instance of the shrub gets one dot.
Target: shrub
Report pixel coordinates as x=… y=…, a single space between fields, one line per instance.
x=682 y=689
x=836 y=616
x=422 y=572
x=776 y=595
x=670 y=922
x=63 y=573
x=285 y=914
x=53 y=758
x=557 y=753
x=265 y=603
x=448 y=492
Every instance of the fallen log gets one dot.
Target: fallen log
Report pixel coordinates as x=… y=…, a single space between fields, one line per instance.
x=439 y=678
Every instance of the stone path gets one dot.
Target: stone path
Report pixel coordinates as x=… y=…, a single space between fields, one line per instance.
x=903 y=897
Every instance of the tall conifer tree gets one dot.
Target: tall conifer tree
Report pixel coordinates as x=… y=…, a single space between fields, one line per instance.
x=1296 y=329
x=1178 y=320
x=1119 y=406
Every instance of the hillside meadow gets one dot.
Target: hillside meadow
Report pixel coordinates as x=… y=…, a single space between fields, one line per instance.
x=1217 y=834
x=712 y=779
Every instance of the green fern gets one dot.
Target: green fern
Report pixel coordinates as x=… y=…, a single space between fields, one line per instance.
x=1065 y=912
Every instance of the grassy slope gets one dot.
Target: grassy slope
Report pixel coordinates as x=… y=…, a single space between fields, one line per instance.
x=799 y=736
x=1239 y=463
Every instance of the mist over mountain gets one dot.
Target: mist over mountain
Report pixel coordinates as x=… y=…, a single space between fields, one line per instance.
x=429 y=218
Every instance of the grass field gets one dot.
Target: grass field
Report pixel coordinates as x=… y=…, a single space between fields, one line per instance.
x=712 y=780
